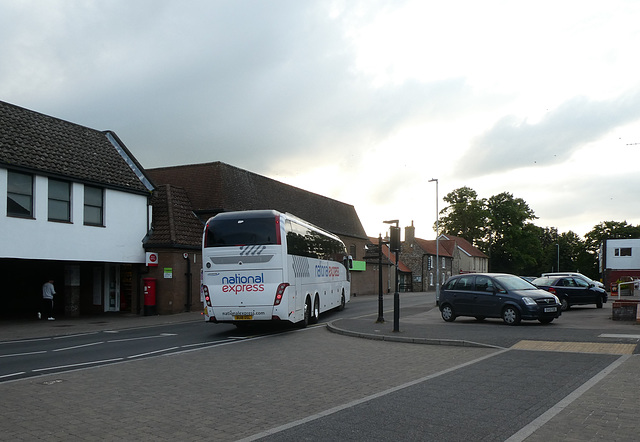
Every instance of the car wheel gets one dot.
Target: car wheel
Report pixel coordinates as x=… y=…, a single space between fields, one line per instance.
x=447 y=313
x=599 y=302
x=546 y=320
x=511 y=315
x=564 y=304
x=480 y=318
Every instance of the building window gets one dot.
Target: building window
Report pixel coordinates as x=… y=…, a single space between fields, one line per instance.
x=624 y=251
x=59 y=200
x=93 y=206
x=352 y=251
x=19 y=194
x=430 y=263
x=444 y=262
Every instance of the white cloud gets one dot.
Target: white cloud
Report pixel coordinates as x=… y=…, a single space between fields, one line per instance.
x=362 y=101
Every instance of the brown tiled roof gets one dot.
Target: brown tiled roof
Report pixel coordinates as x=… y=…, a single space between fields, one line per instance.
x=447 y=245
x=389 y=256
x=429 y=247
x=466 y=246
x=174 y=224
x=35 y=142
x=219 y=187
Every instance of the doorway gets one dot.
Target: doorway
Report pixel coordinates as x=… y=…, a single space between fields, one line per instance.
x=112 y=288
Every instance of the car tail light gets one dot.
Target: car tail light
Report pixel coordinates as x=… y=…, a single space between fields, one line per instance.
x=280 y=293
x=551 y=290
x=207 y=298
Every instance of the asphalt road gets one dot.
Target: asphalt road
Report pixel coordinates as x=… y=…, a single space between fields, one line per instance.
x=23 y=358
x=210 y=382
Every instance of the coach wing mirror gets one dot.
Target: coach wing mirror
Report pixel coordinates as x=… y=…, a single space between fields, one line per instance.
x=348 y=262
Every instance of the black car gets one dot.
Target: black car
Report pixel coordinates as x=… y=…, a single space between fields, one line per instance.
x=496 y=295
x=572 y=290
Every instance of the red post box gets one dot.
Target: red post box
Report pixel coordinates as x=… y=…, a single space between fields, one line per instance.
x=149 y=296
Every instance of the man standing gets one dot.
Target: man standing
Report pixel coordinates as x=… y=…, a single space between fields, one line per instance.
x=47 y=298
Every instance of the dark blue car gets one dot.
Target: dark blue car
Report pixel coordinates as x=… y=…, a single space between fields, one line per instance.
x=496 y=295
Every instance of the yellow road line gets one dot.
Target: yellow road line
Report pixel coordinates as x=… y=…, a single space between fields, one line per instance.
x=576 y=347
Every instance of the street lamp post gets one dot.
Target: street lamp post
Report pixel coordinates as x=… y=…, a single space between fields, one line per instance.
x=437 y=243
x=380 y=302
x=394 y=244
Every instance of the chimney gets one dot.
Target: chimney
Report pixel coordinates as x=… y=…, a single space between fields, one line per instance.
x=410 y=233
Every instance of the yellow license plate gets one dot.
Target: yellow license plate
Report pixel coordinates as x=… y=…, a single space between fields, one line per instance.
x=243 y=317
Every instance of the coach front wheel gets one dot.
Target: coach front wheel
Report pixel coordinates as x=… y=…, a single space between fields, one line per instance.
x=342 y=302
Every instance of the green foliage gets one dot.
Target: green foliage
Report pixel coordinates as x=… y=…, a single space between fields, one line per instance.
x=465 y=216
x=501 y=227
x=609 y=230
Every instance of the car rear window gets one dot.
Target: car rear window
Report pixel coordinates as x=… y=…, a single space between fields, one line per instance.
x=465 y=283
x=543 y=281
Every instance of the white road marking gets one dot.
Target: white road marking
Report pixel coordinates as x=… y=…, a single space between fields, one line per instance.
x=621 y=336
x=77 y=365
x=78 y=346
x=23 y=354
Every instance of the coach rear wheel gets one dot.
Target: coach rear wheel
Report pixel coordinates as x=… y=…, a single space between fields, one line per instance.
x=316 y=311
x=306 y=319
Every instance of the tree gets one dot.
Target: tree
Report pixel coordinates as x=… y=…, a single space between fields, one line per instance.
x=609 y=230
x=508 y=238
x=501 y=227
x=570 y=246
x=465 y=215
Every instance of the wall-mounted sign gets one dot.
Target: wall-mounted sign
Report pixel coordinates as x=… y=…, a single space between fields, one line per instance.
x=152 y=259
x=168 y=272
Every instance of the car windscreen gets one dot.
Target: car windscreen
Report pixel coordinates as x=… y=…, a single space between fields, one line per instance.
x=511 y=282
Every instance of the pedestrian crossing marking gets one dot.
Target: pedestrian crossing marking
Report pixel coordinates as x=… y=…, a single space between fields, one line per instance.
x=576 y=347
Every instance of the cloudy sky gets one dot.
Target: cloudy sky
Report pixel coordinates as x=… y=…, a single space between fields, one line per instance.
x=361 y=101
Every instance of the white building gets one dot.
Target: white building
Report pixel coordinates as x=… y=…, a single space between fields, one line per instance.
x=73 y=208
x=620 y=257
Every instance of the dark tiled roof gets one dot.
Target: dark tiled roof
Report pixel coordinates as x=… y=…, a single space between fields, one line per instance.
x=42 y=144
x=217 y=187
x=174 y=224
